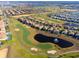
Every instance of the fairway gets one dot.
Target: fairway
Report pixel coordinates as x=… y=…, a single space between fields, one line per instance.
x=45 y=46
x=23 y=41
x=25 y=33
x=45 y=17
x=70 y=55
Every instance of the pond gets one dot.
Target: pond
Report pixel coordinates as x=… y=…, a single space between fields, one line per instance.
x=60 y=42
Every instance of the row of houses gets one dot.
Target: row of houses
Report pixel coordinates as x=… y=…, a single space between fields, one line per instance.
x=66 y=16
x=13 y=11
x=43 y=25
x=71 y=19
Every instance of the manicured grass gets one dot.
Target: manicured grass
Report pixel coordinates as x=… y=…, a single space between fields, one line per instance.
x=70 y=55
x=18 y=48
x=44 y=46
x=25 y=33
x=44 y=16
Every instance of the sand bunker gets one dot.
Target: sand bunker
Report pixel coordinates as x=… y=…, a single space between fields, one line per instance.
x=17 y=29
x=34 y=49
x=51 y=52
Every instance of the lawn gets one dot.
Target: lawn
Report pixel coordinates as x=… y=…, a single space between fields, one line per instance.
x=24 y=34
x=44 y=46
x=70 y=55
x=44 y=16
